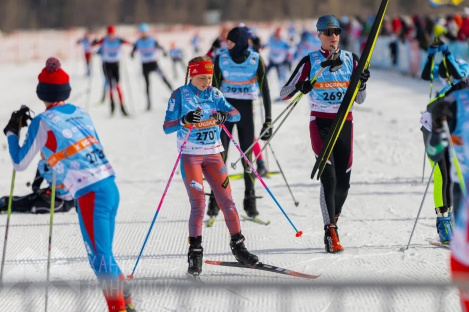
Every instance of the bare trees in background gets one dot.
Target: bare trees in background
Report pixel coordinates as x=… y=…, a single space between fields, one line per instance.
x=31 y=14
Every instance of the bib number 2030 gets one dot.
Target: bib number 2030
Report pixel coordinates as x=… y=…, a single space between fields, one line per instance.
x=333 y=96
x=203 y=135
x=237 y=89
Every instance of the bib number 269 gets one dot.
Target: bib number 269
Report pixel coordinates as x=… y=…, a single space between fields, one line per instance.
x=332 y=96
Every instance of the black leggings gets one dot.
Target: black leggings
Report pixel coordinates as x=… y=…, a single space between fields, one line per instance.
x=335 y=179
x=112 y=72
x=245 y=134
x=442 y=182
x=147 y=68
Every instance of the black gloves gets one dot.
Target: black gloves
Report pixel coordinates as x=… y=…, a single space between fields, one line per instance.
x=304 y=86
x=220 y=117
x=267 y=125
x=364 y=78
x=18 y=120
x=335 y=65
x=192 y=117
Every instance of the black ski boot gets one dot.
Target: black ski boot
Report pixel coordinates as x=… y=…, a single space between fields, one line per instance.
x=129 y=306
x=124 y=112
x=249 y=203
x=212 y=209
x=240 y=252
x=261 y=170
x=195 y=255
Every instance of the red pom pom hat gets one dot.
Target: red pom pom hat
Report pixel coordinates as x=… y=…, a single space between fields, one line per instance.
x=53 y=83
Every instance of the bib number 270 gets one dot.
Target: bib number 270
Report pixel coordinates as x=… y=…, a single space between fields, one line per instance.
x=203 y=135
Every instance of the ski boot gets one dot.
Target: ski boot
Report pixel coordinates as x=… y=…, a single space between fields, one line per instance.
x=261 y=170
x=129 y=306
x=242 y=255
x=212 y=209
x=444 y=225
x=249 y=204
x=124 y=112
x=195 y=256
x=331 y=239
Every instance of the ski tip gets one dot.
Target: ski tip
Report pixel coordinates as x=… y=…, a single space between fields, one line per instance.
x=267 y=223
x=299 y=233
x=130 y=277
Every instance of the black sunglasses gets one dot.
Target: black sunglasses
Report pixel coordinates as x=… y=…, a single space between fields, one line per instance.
x=329 y=31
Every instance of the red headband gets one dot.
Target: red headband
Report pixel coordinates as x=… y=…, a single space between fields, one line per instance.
x=201 y=68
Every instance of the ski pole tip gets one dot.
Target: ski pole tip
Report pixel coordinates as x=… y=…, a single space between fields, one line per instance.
x=296 y=204
x=299 y=233
x=131 y=276
x=233 y=165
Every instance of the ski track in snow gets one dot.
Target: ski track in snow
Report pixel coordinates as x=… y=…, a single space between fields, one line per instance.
x=377 y=218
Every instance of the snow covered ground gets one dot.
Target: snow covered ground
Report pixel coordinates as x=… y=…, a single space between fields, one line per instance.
x=376 y=222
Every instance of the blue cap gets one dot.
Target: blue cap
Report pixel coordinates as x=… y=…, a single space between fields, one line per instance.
x=143 y=27
x=326 y=21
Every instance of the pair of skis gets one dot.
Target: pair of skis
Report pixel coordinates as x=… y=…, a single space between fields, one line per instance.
x=350 y=94
x=258 y=266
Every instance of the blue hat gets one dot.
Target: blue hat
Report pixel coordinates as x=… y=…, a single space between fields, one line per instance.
x=326 y=21
x=143 y=27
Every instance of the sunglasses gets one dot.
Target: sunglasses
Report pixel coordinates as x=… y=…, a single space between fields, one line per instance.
x=329 y=31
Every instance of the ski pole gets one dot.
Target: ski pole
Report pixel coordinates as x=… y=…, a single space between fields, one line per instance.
x=283 y=175
x=424 y=161
x=128 y=83
x=90 y=84
x=261 y=114
x=298 y=233
x=295 y=100
x=131 y=276
x=51 y=223
x=432 y=67
x=421 y=205
x=292 y=103
x=10 y=200
x=248 y=170
x=454 y=157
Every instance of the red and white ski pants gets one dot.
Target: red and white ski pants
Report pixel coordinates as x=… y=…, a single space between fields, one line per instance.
x=214 y=170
